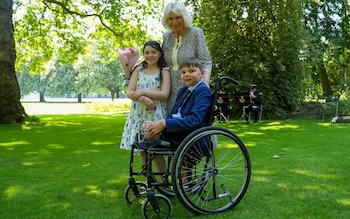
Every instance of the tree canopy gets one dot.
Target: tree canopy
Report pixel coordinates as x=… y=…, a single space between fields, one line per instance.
x=292 y=49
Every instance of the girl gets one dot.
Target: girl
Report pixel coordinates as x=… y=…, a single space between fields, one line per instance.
x=149 y=87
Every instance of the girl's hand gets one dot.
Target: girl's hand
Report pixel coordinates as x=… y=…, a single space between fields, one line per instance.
x=136 y=94
x=149 y=103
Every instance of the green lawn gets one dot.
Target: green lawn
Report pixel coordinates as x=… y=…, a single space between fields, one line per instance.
x=70 y=166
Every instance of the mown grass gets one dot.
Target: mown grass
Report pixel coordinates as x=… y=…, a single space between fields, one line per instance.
x=70 y=166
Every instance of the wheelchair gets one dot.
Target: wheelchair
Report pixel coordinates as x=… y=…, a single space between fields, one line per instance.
x=209 y=172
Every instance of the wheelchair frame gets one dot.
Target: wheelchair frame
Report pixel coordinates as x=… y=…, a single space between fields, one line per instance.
x=210 y=171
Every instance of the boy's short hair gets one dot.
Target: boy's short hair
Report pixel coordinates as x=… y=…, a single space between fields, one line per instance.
x=192 y=62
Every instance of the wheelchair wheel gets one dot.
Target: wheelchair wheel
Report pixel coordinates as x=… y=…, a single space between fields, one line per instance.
x=131 y=197
x=164 y=207
x=210 y=178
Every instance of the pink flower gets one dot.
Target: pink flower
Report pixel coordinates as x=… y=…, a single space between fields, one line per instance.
x=128 y=58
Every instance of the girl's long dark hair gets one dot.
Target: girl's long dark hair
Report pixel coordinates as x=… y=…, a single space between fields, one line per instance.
x=161 y=62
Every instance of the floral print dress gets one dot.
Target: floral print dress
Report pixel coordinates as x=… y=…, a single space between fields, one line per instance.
x=139 y=113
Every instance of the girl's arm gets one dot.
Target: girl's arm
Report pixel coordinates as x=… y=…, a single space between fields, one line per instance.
x=132 y=87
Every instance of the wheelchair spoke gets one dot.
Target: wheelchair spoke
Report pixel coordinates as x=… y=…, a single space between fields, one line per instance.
x=214 y=181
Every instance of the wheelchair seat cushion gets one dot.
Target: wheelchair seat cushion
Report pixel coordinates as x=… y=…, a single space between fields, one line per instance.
x=156 y=143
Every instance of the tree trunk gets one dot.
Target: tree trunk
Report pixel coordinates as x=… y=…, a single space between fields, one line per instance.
x=11 y=109
x=326 y=87
x=79 y=98
x=117 y=93
x=41 y=97
x=113 y=93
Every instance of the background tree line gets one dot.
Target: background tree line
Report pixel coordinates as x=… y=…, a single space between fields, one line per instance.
x=91 y=75
x=294 y=50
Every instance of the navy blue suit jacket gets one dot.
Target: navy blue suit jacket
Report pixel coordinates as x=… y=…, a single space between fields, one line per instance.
x=194 y=112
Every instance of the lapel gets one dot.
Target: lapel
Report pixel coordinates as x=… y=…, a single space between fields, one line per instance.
x=182 y=100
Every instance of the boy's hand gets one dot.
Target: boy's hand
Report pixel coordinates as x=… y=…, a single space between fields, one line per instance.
x=155 y=128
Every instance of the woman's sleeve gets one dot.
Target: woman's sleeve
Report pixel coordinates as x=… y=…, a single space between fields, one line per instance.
x=202 y=51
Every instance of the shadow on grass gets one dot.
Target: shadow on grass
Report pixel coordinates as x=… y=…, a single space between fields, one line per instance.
x=299 y=168
x=70 y=166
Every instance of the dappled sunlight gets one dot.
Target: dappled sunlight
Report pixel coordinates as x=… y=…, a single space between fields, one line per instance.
x=261 y=179
x=31 y=163
x=283 y=185
x=103 y=143
x=324 y=124
x=287 y=185
x=344 y=201
x=12 y=191
x=262 y=175
x=113 y=181
x=86 y=165
x=251 y=133
x=76 y=189
x=56 y=146
x=228 y=145
x=251 y=144
x=39 y=152
x=312 y=187
x=264 y=172
x=279 y=126
x=94 y=190
x=28 y=163
x=13 y=145
x=55 y=205
x=335 y=126
x=49 y=121
x=87 y=151
x=316 y=175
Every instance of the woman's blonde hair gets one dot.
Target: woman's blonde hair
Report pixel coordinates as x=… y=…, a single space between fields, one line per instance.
x=180 y=10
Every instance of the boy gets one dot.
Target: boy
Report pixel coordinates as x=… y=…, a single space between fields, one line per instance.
x=191 y=106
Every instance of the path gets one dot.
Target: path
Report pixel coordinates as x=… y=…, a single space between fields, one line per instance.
x=60 y=106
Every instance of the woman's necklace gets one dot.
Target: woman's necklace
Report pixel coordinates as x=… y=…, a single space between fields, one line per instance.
x=178 y=37
x=178 y=42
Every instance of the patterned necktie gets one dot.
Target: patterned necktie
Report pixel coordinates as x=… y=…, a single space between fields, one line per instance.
x=183 y=99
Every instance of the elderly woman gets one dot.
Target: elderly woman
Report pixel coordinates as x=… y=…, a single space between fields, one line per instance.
x=180 y=42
